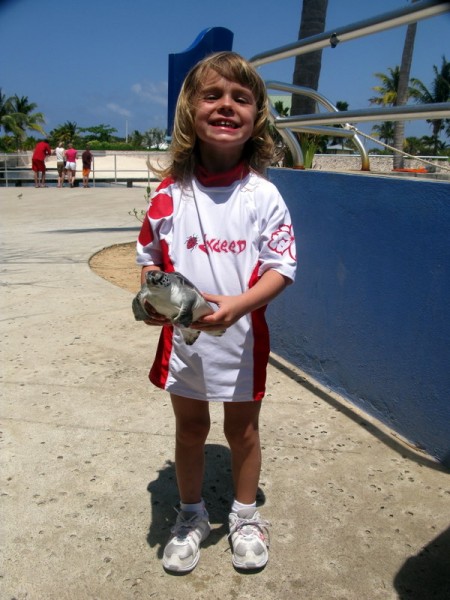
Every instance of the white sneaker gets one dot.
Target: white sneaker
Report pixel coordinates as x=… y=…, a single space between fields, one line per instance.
x=249 y=539
x=182 y=551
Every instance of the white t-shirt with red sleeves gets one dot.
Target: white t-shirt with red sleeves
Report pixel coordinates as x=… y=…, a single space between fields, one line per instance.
x=222 y=232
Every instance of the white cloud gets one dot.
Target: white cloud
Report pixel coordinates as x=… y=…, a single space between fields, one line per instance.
x=153 y=92
x=118 y=109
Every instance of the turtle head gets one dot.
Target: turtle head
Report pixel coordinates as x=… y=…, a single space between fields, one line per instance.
x=157 y=279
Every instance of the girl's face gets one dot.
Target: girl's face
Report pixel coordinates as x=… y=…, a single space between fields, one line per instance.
x=224 y=117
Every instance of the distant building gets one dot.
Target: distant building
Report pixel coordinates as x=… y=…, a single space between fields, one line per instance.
x=340 y=149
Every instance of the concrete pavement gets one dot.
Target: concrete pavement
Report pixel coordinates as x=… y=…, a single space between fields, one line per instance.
x=87 y=472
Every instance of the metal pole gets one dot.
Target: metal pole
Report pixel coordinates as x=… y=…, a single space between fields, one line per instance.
x=310 y=93
x=6 y=171
x=392 y=113
x=402 y=16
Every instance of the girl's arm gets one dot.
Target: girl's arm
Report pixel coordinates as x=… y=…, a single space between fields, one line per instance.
x=232 y=308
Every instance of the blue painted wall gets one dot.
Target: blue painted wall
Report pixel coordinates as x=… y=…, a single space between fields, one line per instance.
x=213 y=39
x=369 y=314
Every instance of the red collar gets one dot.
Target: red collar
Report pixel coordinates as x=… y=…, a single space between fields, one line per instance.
x=224 y=179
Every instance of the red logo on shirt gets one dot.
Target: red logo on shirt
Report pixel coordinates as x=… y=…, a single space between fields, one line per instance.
x=192 y=242
x=216 y=245
x=283 y=241
x=219 y=246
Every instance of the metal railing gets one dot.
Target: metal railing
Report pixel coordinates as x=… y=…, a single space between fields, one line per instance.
x=315 y=123
x=107 y=168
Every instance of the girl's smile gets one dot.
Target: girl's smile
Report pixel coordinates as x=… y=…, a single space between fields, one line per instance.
x=224 y=118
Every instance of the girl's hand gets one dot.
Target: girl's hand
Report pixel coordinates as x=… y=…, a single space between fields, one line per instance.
x=229 y=312
x=232 y=308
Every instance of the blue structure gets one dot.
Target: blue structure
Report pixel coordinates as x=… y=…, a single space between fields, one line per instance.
x=369 y=314
x=214 y=39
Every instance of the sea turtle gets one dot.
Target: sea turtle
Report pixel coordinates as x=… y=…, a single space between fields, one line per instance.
x=175 y=297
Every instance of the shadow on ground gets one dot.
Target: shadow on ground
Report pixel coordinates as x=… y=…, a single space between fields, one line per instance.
x=426 y=576
x=217 y=493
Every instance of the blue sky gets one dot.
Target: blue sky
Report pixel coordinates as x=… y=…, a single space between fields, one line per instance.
x=105 y=61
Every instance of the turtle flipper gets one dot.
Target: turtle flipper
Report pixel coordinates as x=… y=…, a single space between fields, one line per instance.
x=189 y=335
x=217 y=332
x=140 y=314
x=185 y=317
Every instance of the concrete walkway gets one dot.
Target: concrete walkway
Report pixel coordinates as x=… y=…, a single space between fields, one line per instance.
x=87 y=475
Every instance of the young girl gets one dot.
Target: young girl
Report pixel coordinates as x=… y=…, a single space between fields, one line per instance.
x=216 y=220
x=71 y=163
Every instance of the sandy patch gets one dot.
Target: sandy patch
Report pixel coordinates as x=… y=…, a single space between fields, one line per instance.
x=117 y=265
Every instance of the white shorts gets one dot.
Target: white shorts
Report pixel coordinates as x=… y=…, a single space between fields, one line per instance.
x=71 y=165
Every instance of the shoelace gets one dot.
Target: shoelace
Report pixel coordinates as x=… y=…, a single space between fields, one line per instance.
x=185 y=527
x=261 y=524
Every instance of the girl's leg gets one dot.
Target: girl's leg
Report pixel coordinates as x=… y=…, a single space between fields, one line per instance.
x=241 y=427
x=192 y=428
x=182 y=551
x=248 y=531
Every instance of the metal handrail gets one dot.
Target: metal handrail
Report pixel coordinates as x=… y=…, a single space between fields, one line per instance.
x=314 y=123
x=389 y=113
x=403 y=16
x=298 y=125
x=23 y=173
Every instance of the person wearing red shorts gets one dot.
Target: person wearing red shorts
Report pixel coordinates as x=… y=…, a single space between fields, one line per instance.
x=41 y=151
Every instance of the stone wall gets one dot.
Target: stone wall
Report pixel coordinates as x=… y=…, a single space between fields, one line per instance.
x=378 y=163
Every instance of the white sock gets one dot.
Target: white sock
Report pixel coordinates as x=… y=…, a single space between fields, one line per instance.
x=198 y=507
x=236 y=506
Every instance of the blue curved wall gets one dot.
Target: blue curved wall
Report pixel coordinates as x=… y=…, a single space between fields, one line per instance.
x=212 y=39
x=369 y=314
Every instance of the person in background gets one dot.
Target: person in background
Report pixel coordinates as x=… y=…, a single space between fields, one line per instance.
x=41 y=151
x=217 y=219
x=60 y=163
x=87 y=159
x=71 y=164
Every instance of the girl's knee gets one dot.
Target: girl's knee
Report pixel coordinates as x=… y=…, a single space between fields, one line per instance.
x=192 y=434
x=243 y=436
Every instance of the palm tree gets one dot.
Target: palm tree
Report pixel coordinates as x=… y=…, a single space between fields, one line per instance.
x=136 y=139
x=9 y=124
x=387 y=90
x=385 y=131
x=439 y=92
x=402 y=91
x=22 y=117
x=307 y=71
x=65 y=133
x=8 y=120
x=432 y=145
x=281 y=109
x=341 y=105
x=5 y=110
x=413 y=145
x=307 y=66
x=388 y=96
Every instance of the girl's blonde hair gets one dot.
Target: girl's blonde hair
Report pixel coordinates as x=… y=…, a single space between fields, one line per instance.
x=259 y=150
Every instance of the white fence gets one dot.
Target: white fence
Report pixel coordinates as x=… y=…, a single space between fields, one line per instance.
x=108 y=167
